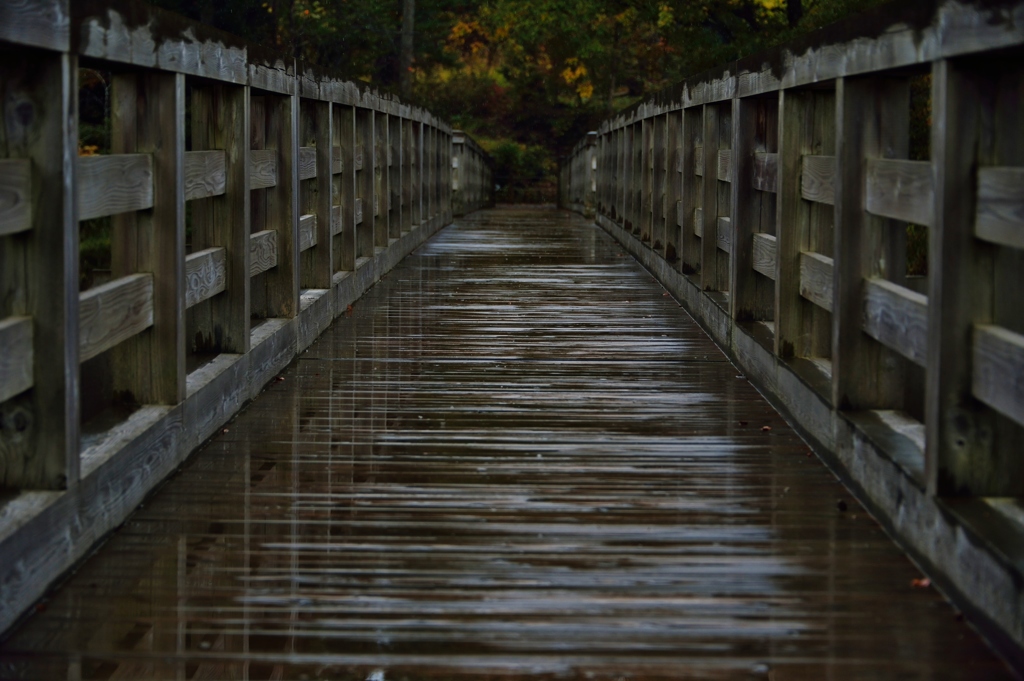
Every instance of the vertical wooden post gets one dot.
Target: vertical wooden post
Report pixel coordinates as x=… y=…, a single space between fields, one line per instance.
x=39 y=436
x=148 y=112
x=673 y=184
x=709 y=230
x=394 y=177
x=962 y=454
x=319 y=198
x=345 y=139
x=658 y=184
x=379 y=158
x=692 y=191
x=646 y=179
x=872 y=118
x=220 y=120
x=408 y=167
x=364 y=182
x=745 y=212
x=282 y=208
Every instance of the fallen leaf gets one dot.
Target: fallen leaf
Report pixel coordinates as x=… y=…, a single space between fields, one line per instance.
x=766 y=429
x=224 y=430
x=922 y=583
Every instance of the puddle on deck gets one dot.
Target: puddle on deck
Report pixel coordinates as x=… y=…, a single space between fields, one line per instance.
x=516 y=458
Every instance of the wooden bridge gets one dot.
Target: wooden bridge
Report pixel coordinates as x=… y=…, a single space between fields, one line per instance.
x=503 y=449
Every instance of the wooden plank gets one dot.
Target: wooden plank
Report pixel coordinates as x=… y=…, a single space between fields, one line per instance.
x=698 y=222
x=262 y=168
x=698 y=160
x=337 y=160
x=897 y=317
x=307 y=231
x=1000 y=213
x=900 y=189
x=724 y=235
x=998 y=368
x=357 y=160
x=204 y=174
x=262 y=251
x=336 y=220
x=817 y=179
x=307 y=163
x=359 y=211
x=16 y=360
x=36 y=23
x=764 y=255
x=115 y=183
x=205 y=275
x=766 y=168
x=724 y=165
x=15 y=195
x=282 y=281
x=816 y=272
x=113 y=313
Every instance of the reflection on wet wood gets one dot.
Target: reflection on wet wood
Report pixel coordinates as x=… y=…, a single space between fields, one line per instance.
x=516 y=458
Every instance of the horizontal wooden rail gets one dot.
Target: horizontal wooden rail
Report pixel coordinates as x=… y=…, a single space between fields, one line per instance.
x=900 y=189
x=818 y=178
x=205 y=275
x=816 y=272
x=15 y=195
x=897 y=317
x=118 y=183
x=262 y=251
x=765 y=254
x=113 y=313
x=998 y=370
x=307 y=163
x=1000 y=216
x=262 y=168
x=16 y=359
x=204 y=174
x=307 y=232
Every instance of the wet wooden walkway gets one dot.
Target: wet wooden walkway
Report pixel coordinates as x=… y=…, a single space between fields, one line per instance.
x=516 y=457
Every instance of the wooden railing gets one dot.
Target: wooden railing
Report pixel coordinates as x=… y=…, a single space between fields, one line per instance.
x=773 y=197
x=472 y=181
x=251 y=199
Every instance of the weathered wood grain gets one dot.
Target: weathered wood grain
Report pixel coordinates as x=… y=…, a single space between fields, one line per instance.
x=698 y=222
x=114 y=312
x=897 y=317
x=766 y=168
x=900 y=189
x=724 y=165
x=698 y=160
x=15 y=195
x=37 y=23
x=204 y=174
x=764 y=254
x=307 y=163
x=262 y=251
x=205 y=275
x=262 y=168
x=359 y=211
x=337 y=160
x=998 y=370
x=16 y=359
x=307 y=231
x=357 y=159
x=817 y=179
x=816 y=273
x=112 y=184
x=724 y=235
x=336 y=220
x=1000 y=213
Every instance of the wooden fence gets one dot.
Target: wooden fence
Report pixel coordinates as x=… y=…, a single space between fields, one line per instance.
x=781 y=199
x=251 y=199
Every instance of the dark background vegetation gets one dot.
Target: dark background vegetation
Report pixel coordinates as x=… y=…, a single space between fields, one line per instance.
x=527 y=78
